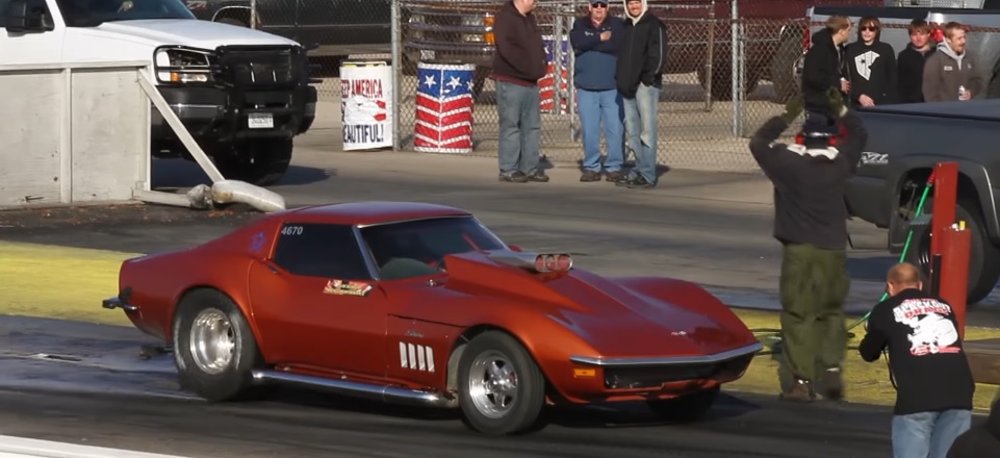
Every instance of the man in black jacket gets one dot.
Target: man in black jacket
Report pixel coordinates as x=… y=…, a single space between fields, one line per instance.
x=810 y=221
x=911 y=62
x=823 y=66
x=518 y=65
x=640 y=79
x=934 y=383
x=871 y=66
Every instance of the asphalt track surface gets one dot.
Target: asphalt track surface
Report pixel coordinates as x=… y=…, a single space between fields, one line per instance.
x=714 y=229
x=85 y=384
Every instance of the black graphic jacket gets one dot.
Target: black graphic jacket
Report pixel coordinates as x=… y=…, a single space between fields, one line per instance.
x=925 y=352
x=872 y=71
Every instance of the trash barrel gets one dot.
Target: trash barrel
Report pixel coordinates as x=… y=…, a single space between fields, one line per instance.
x=444 y=107
x=547 y=85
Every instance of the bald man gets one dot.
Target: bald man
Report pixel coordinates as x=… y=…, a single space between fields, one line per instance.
x=934 y=383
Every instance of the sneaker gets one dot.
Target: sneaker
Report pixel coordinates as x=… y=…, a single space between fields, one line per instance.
x=624 y=180
x=615 y=176
x=590 y=176
x=639 y=183
x=515 y=177
x=831 y=384
x=537 y=175
x=800 y=391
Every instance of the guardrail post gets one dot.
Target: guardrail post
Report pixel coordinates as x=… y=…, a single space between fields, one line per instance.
x=253 y=14
x=397 y=68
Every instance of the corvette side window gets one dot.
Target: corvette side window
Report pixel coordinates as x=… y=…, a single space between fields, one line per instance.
x=320 y=250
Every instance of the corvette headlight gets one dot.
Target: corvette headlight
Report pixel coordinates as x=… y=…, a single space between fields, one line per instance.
x=183 y=65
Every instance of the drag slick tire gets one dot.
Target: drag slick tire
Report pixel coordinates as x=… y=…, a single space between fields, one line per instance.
x=214 y=348
x=501 y=389
x=686 y=408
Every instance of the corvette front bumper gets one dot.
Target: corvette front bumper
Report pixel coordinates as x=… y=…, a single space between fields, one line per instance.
x=625 y=378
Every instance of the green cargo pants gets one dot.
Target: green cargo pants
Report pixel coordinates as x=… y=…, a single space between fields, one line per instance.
x=814 y=286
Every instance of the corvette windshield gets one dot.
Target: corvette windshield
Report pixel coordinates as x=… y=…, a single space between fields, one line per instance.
x=416 y=248
x=91 y=13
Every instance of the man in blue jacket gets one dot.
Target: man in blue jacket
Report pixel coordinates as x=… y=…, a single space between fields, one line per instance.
x=595 y=39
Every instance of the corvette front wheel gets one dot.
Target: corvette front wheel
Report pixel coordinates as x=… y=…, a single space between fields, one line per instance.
x=214 y=348
x=501 y=389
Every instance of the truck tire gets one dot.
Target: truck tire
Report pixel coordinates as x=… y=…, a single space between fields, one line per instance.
x=786 y=84
x=984 y=256
x=261 y=161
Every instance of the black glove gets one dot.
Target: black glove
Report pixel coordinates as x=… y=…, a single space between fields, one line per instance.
x=836 y=99
x=793 y=108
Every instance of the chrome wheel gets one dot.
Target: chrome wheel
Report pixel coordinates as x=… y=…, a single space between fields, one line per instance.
x=492 y=384
x=212 y=341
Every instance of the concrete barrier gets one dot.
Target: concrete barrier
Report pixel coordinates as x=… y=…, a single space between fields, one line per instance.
x=72 y=133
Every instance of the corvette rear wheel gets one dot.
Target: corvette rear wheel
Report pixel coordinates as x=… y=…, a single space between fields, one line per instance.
x=214 y=348
x=501 y=389
x=686 y=408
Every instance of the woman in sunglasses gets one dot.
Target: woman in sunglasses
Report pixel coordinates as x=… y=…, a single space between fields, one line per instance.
x=871 y=66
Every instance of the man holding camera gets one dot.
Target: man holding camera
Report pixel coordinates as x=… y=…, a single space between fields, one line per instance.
x=809 y=178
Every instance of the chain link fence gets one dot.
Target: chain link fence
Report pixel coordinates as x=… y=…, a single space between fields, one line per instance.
x=704 y=123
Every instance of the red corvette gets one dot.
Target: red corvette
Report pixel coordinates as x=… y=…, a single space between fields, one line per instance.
x=420 y=303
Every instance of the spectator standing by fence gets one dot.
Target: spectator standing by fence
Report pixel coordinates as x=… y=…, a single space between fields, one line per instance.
x=911 y=62
x=934 y=382
x=596 y=39
x=640 y=79
x=871 y=66
x=823 y=67
x=951 y=73
x=518 y=65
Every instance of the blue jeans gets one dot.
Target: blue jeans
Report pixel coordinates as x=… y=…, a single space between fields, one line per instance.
x=520 y=127
x=928 y=434
x=595 y=106
x=640 y=129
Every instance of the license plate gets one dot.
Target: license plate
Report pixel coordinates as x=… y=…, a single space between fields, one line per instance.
x=260 y=121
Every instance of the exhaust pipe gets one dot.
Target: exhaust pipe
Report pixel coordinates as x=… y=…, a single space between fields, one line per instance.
x=371 y=391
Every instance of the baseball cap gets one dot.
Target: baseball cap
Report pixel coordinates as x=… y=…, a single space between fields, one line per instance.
x=594 y=2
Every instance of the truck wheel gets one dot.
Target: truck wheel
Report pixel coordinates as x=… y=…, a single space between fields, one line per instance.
x=214 y=348
x=261 y=162
x=686 y=408
x=984 y=256
x=786 y=84
x=501 y=389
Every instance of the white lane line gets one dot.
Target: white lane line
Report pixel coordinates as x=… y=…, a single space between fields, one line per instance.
x=20 y=447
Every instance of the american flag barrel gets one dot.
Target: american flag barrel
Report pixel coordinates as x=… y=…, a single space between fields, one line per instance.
x=547 y=85
x=366 y=104
x=444 y=108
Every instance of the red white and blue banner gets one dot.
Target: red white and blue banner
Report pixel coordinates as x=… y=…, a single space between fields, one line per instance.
x=366 y=105
x=444 y=108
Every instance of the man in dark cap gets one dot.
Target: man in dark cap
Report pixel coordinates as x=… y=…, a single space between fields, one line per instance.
x=809 y=179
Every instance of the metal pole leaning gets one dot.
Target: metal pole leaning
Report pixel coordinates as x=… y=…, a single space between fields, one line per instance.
x=253 y=14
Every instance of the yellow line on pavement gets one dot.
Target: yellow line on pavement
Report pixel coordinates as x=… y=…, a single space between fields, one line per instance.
x=59 y=282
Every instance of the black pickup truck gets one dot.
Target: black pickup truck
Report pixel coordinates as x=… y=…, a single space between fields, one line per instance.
x=906 y=142
x=328 y=28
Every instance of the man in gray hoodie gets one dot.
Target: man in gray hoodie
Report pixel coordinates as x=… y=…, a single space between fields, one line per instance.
x=951 y=73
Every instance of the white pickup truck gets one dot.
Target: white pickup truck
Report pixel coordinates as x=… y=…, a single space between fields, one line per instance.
x=242 y=93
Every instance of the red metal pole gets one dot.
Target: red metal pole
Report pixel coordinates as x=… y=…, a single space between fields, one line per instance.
x=945 y=196
x=954 y=278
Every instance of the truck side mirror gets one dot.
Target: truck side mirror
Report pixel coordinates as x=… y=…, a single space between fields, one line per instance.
x=27 y=16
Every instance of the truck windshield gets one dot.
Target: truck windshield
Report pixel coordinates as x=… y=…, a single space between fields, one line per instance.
x=91 y=13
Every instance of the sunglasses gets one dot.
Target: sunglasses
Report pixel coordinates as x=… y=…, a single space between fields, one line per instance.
x=869 y=28
x=599 y=5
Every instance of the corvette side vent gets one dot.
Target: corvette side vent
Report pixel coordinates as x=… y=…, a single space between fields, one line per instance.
x=418 y=357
